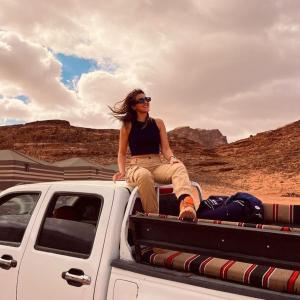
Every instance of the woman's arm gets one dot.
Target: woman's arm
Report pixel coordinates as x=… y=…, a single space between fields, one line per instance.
x=165 y=147
x=123 y=143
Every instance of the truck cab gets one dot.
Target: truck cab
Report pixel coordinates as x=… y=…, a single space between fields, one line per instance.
x=52 y=238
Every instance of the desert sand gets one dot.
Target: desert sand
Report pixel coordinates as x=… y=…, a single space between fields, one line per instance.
x=265 y=196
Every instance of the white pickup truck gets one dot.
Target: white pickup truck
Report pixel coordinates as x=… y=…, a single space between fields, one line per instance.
x=71 y=240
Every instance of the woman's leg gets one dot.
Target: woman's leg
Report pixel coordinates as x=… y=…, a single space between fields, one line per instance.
x=177 y=175
x=141 y=177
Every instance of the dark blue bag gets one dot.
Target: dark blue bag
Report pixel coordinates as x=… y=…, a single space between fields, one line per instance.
x=255 y=208
x=241 y=207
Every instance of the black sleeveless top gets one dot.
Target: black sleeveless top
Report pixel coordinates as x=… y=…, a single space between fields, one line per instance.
x=144 y=140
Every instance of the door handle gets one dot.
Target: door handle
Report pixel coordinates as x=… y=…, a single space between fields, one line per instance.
x=7 y=262
x=76 y=277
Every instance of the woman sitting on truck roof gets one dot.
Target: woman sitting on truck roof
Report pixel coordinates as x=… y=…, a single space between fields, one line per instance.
x=146 y=137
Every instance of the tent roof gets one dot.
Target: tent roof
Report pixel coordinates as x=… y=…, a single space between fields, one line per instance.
x=76 y=162
x=71 y=162
x=113 y=167
x=18 y=156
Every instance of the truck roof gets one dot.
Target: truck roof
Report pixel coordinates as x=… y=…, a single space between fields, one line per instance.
x=105 y=183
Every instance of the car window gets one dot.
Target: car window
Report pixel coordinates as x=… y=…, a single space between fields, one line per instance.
x=70 y=224
x=15 y=212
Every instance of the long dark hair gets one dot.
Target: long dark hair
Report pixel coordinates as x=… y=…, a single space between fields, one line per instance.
x=123 y=111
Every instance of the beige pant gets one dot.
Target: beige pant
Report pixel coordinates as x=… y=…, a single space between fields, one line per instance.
x=147 y=169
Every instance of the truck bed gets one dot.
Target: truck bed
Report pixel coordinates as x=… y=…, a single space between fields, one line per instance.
x=245 y=258
x=198 y=281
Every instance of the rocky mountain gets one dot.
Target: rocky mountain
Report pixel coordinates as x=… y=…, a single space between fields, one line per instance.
x=268 y=161
x=208 y=139
x=57 y=139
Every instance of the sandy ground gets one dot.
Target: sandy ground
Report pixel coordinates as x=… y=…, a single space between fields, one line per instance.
x=265 y=196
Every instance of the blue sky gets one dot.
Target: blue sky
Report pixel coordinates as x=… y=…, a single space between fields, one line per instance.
x=12 y=121
x=23 y=98
x=74 y=66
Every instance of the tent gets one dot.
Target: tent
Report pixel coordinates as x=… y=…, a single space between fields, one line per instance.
x=77 y=168
x=16 y=168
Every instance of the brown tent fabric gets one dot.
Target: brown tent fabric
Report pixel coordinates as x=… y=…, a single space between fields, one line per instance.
x=16 y=168
x=77 y=168
x=19 y=168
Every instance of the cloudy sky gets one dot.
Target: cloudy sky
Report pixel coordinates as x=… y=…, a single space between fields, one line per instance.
x=227 y=64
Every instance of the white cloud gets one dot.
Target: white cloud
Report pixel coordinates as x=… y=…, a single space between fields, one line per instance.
x=206 y=63
x=9 y=90
x=13 y=109
x=33 y=69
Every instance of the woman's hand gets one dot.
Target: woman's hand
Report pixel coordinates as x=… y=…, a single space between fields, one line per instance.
x=173 y=160
x=118 y=176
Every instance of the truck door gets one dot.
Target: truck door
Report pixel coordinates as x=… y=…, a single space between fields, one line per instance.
x=64 y=251
x=17 y=213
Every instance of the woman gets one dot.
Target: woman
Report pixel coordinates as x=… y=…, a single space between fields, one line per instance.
x=146 y=136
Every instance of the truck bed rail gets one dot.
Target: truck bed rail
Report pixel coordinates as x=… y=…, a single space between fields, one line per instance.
x=251 y=245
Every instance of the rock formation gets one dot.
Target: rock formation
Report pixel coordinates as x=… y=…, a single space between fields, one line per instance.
x=208 y=139
x=267 y=161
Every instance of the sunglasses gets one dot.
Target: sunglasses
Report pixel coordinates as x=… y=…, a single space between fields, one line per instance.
x=143 y=100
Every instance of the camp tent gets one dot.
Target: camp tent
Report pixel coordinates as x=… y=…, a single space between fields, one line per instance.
x=16 y=168
x=77 y=168
x=113 y=167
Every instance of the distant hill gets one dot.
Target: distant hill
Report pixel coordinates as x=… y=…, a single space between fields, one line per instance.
x=208 y=139
x=267 y=161
x=56 y=139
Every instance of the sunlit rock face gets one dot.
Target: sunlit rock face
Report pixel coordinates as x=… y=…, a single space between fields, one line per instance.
x=268 y=161
x=208 y=139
